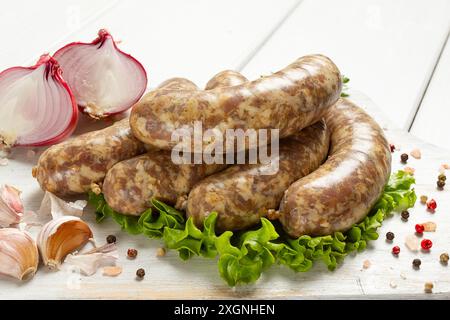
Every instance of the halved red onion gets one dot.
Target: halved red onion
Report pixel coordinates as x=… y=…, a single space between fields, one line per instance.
x=104 y=80
x=36 y=105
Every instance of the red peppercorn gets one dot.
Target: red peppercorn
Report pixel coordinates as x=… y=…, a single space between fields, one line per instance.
x=426 y=244
x=392 y=147
x=396 y=250
x=431 y=205
x=420 y=228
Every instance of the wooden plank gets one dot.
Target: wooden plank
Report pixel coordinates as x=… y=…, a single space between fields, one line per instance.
x=192 y=39
x=387 y=48
x=432 y=120
x=31 y=28
x=169 y=277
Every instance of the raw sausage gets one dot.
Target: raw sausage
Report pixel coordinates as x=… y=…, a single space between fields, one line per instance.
x=288 y=100
x=71 y=167
x=242 y=194
x=343 y=190
x=130 y=184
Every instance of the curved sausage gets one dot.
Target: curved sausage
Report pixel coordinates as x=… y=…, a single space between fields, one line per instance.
x=288 y=100
x=242 y=194
x=130 y=184
x=71 y=167
x=343 y=190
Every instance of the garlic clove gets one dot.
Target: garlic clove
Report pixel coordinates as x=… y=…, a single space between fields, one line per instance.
x=11 y=207
x=60 y=237
x=53 y=207
x=19 y=257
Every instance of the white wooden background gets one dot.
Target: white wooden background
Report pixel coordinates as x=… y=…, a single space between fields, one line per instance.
x=395 y=52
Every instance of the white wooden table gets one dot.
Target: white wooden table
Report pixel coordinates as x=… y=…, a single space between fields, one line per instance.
x=395 y=52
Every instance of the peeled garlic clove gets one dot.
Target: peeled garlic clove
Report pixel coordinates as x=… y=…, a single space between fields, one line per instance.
x=19 y=255
x=62 y=236
x=11 y=208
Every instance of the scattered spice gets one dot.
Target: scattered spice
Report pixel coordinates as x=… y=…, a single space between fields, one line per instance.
x=419 y=228
x=405 y=215
x=111 y=238
x=160 y=252
x=396 y=250
x=140 y=273
x=423 y=199
x=429 y=226
x=409 y=170
x=404 y=157
x=366 y=264
x=390 y=236
x=412 y=243
x=132 y=253
x=416 y=263
x=112 y=271
x=426 y=244
x=440 y=184
x=415 y=153
x=403 y=276
x=429 y=287
x=393 y=284
x=442 y=177
x=446 y=166
x=444 y=258
x=392 y=147
x=431 y=205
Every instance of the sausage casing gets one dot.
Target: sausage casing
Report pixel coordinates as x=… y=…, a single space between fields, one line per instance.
x=343 y=190
x=71 y=167
x=288 y=100
x=242 y=194
x=130 y=184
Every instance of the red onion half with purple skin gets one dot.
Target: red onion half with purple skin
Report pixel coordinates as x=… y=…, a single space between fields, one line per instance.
x=104 y=80
x=37 y=107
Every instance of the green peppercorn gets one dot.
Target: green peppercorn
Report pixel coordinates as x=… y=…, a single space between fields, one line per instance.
x=440 y=184
x=416 y=263
x=111 y=239
x=404 y=157
x=405 y=215
x=390 y=236
x=140 y=273
x=444 y=258
x=442 y=177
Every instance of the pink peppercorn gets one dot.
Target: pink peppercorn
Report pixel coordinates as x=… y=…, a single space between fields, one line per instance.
x=431 y=205
x=426 y=244
x=420 y=228
x=396 y=250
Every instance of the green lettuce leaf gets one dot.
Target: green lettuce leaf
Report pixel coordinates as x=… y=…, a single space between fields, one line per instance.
x=244 y=256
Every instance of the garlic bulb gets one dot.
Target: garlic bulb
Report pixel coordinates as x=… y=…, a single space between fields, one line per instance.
x=19 y=257
x=11 y=208
x=62 y=236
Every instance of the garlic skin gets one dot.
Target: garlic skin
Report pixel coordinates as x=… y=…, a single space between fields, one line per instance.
x=62 y=236
x=11 y=207
x=19 y=256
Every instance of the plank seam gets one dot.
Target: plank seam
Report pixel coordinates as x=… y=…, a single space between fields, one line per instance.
x=253 y=53
x=428 y=82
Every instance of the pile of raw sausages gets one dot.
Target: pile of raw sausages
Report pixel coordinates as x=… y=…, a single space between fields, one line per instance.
x=333 y=158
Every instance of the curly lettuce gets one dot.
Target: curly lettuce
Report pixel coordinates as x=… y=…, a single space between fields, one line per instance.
x=244 y=256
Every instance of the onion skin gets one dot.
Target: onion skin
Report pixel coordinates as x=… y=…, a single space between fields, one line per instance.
x=52 y=69
x=103 y=35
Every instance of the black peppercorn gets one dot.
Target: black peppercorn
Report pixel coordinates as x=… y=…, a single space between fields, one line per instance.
x=405 y=215
x=416 y=263
x=442 y=177
x=132 y=253
x=111 y=239
x=440 y=184
x=404 y=157
x=390 y=236
x=140 y=273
